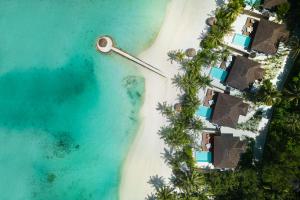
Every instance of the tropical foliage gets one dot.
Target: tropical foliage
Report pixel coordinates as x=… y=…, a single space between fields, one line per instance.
x=277 y=177
x=182 y=128
x=272 y=64
x=292 y=91
x=267 y=94
x=282 y=11
x=252 y=123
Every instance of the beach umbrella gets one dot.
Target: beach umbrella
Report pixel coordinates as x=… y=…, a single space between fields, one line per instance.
x=191 y=52
x=211 y=21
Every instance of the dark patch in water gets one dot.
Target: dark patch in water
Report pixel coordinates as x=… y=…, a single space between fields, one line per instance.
x=133 y=116
x=51 y=177
x=64 y=145
x=135 y=88
x=44 y=97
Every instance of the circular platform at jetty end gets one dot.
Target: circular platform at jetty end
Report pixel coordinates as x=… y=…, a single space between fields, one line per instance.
x=104 y=44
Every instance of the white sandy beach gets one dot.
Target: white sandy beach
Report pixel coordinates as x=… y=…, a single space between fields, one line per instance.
x=183 y=24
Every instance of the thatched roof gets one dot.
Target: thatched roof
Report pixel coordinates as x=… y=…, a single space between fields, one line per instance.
x=191 y=52
x=102 y=42
x=268 y=35
x=227 y=110
x=268 y=4
x=211 y=21
x=244 y=72
x=227 y=151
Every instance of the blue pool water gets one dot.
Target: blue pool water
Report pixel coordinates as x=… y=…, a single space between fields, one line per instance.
x=252 y=2
x=203 y=156
x=218 y=73
x=204 y=111
x=67 y=113
x=241 y=40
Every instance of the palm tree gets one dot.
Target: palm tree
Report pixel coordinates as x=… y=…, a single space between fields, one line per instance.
x=175 y=135
x=165 y=109
x=176 y=55
x=163 y=191
x=204 y=81
x=169 y=155
x=292 y=93
x=234 y=8
x=191 y=184
x=268 y=94
x=187 y=82
x=293 y=123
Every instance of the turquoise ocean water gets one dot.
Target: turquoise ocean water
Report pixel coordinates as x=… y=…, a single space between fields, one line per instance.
x=67 y=113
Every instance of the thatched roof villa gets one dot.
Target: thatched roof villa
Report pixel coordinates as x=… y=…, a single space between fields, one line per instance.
x=227 y=110
x=268 y=35
x=227 y=151
x=244 y=72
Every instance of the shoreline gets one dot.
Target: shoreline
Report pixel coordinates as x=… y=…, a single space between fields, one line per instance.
x=183 y=24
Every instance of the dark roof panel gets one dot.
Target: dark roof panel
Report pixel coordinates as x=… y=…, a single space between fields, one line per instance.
x=244 y=72
x=271 y=3
x=227 y=151
x=268 y=35
x=227 y=110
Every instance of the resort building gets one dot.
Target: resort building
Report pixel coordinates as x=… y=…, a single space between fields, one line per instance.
x=237 y=71
x=269 y=4
x=227 y=151
x=203 y=156
x=255 y=34
x=244 y=72
x=219 y=151
x=267 y=37
x=244 y=29
x=227 y=110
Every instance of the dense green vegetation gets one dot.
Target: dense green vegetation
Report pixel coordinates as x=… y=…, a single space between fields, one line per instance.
x=282 y=11
x=276 y=177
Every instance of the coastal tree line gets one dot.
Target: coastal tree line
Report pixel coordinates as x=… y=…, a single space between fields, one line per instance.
x=277 y=176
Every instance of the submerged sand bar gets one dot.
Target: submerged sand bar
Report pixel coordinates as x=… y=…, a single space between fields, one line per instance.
x=105 y=44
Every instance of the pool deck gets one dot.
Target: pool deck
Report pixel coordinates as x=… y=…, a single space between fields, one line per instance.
x=237 y=27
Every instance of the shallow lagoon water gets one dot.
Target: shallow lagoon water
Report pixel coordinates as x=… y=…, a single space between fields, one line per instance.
x=67 y=113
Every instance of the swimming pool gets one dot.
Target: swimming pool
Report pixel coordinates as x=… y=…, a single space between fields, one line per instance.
x=241 y=40
x=203 y=156
x=204 y=111
x=218 y=73
x=252 y=2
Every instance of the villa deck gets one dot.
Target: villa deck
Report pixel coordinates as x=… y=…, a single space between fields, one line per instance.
x=207 y=142
x=244 y=31
x=208 y=97
x=250 y=27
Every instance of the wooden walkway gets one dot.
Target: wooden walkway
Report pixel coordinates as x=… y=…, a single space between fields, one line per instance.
x=105 y=44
